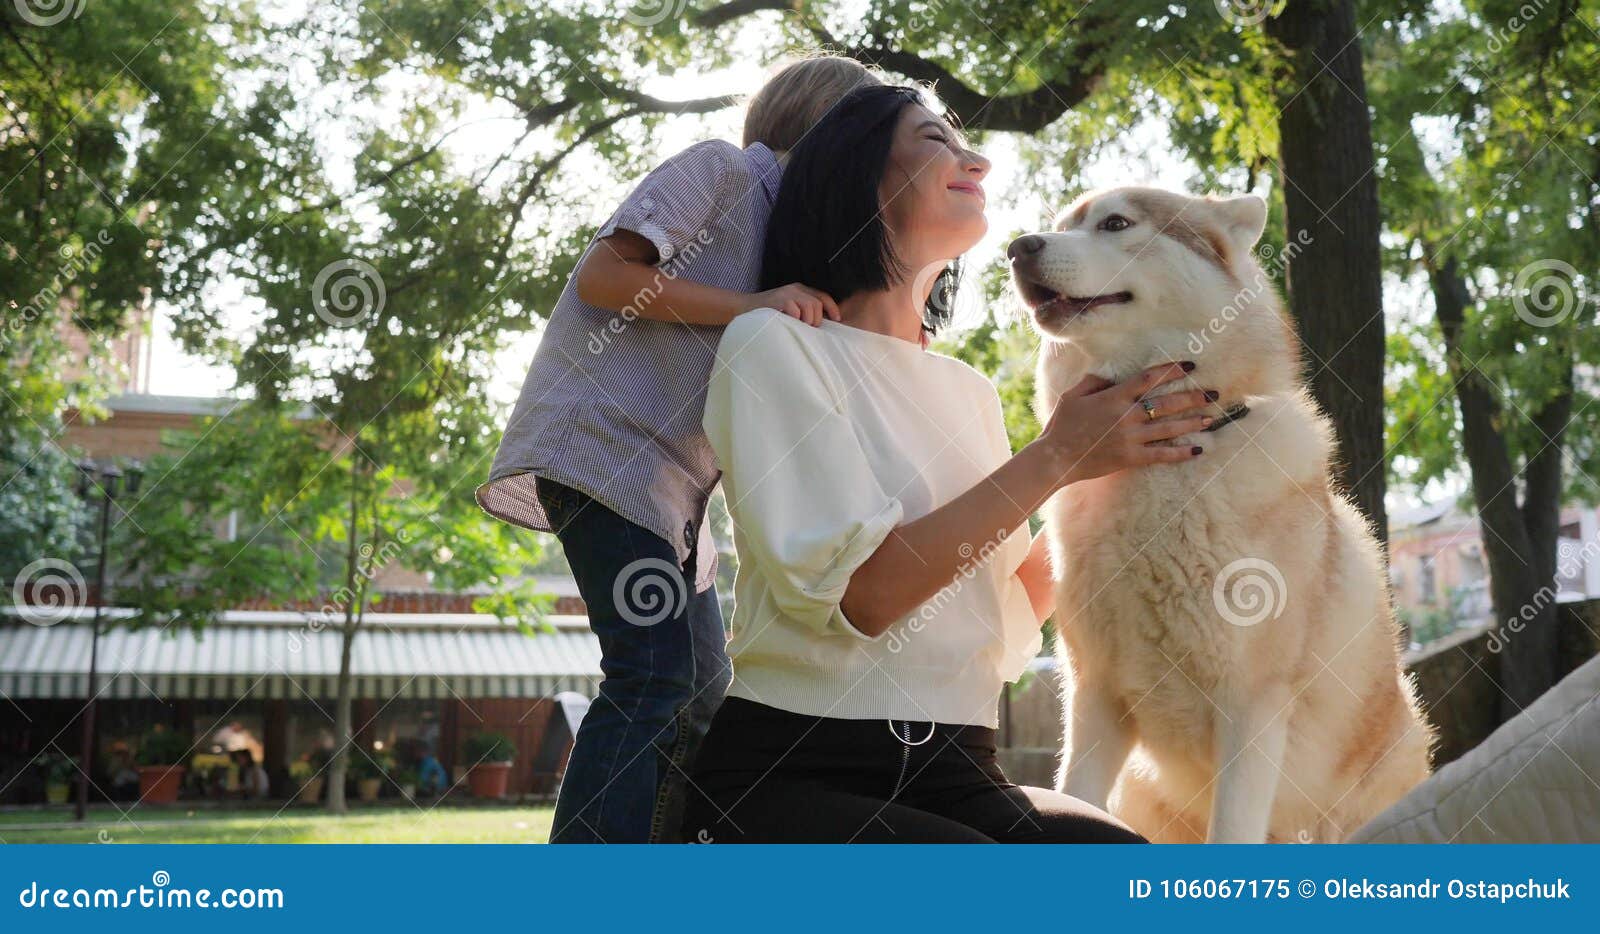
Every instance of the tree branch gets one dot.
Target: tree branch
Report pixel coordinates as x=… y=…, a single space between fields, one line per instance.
x=543 y=170
x=1488 y=455
x=737 y=9
x=645 y=103
x=1024 y=112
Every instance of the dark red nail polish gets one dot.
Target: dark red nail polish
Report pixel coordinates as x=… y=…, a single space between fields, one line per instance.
x=1211 y=395
x=1196 y=450
x=1188 y=366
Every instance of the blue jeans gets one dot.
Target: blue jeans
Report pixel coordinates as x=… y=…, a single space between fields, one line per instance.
x=663 y=652
x=431 y=777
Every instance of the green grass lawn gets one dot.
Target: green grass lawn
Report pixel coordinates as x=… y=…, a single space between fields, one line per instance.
x=296 y=824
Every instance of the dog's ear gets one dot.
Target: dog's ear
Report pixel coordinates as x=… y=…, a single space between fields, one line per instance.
x=1241 y=220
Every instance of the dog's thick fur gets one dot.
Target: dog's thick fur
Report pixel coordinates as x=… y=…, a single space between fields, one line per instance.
x=1269 y=705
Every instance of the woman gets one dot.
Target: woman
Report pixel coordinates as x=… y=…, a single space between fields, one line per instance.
x=886 y=587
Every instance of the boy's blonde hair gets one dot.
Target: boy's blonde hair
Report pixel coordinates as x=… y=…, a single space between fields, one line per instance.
x=795 y=98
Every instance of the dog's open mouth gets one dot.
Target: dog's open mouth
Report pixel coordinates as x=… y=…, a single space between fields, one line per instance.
x=1048 y=303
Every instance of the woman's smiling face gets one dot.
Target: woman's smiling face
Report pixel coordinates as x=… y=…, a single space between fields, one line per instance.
x=932 y=190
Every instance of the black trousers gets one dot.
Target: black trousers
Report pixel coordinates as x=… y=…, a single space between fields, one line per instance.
x=766 y=775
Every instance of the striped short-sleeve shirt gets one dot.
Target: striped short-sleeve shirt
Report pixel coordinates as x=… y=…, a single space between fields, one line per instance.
x=612 y=403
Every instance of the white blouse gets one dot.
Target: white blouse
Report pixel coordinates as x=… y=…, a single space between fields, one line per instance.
x=828 y=439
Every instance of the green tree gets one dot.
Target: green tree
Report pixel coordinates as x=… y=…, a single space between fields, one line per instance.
x=1491 y=191
x=220 y=520
x=315 y=518
x=163 y=152
x=128 y=147
x=41 y=516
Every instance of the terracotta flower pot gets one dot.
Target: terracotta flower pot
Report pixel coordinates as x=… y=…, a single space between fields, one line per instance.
x=158 y=784
x=311 y=791
x=489 y=779
x=367 y=788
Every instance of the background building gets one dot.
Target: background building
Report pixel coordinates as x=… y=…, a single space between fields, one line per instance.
x=1441 y=578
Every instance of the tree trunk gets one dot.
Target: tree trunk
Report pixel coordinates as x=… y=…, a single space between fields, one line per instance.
x=1542 y=480
x=1530 y=662
x=1519 y=542
x=339 y=764
x=1330 y=191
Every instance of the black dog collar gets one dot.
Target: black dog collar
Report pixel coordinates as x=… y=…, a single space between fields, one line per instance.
x=1229 y=415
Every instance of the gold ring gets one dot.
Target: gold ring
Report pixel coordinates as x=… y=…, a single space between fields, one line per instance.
x=1149 y=409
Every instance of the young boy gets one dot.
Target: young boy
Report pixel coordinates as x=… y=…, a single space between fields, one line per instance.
x=605 y=449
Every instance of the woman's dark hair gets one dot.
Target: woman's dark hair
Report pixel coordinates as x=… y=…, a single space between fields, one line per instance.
x=826 y=230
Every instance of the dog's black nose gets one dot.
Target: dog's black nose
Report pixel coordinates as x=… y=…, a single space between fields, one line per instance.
x=1026 y=245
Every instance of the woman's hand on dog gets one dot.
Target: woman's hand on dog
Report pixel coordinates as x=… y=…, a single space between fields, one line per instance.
x=1100 y=427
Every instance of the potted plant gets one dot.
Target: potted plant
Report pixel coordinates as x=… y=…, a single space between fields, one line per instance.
x=162 y=756
x=369 y=770
x=312 y=773
x=490 y=756
x=58 y=771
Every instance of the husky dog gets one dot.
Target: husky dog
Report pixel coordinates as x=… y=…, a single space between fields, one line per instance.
x=1229 y=653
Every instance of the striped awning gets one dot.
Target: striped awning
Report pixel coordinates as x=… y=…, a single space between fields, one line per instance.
x=289 y=655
